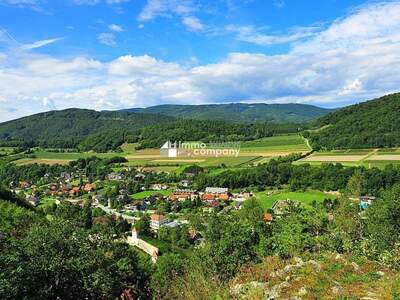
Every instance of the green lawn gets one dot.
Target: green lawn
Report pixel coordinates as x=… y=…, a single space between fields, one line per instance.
x=46 y=202
x=306 y=197
x=145 y=194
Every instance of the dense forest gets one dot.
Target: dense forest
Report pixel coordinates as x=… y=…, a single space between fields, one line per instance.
x=76 y=128
x=371 y=124
x=240 y=112
x=102 y=131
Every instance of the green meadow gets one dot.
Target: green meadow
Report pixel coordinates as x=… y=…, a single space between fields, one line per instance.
x=145 y=194
x=306 y=197
x=291 y=142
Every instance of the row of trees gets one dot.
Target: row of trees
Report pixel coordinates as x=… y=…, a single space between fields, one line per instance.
x=327 y=177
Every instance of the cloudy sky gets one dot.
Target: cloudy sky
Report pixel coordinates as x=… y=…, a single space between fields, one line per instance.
x=113 y=54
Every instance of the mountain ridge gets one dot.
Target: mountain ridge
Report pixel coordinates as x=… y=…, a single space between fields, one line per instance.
x=239 y=112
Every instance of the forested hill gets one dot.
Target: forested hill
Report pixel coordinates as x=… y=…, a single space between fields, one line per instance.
x=77 y=128
x=241 y=112
x=103 y=131
x=371 y=124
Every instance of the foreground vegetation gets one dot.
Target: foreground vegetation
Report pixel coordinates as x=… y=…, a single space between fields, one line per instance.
x=326 y=248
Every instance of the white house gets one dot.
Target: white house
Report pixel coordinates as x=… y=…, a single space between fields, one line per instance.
x=216 y=190
x=157 y=220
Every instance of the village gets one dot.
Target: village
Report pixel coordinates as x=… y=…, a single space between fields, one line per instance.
x=149 y=203
x=134 y=195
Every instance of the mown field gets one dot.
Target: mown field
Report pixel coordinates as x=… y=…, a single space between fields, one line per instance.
x=306 y=197
x=355 y=157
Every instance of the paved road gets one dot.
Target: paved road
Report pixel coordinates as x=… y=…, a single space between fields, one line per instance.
x=112 y=211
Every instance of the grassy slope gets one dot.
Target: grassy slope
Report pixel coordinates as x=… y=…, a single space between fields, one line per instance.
x=324 y=276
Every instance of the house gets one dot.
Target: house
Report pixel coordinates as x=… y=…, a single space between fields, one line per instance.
x=98 y=199
x=74 y=191
x=216 y=190
x=158 y=187
x=137 y=206
x=66 y=176
x=239 y=203
x=268 y=218
x=183 y=194
x=89 y=187
x=211 y=206
x=24 y=185
x=140 y=176
x=117 y=176
x=366 y=201
x=157 y=220
x=208 y=197
x=223 y=197
x=32 y=200
x=246 y=194
x=185 y=183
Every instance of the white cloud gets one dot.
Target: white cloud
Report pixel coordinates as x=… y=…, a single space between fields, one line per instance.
x=157 y=8
x=139 y=66
x=184 y=9
x=355 y=58
x=192 y=23
x=116 y=28
x=107 y=38
x=351 y=87
x=256 y=36
x=41 y=43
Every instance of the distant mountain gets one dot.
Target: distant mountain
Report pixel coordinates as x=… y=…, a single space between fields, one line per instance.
x=240 y=112
x=371 y=124
x=77 y=128
x=102 y=131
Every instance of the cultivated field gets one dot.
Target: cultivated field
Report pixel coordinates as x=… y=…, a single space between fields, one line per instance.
x=356 y=157
x=251 y=153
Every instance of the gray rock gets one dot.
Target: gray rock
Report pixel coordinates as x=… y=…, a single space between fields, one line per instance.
x=337 y=290
x=380 y=273
x=355 y=266
x=315 y=264
x=298 y=261
x=302 y=292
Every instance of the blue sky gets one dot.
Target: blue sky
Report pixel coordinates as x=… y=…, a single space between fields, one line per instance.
x=112 y=54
